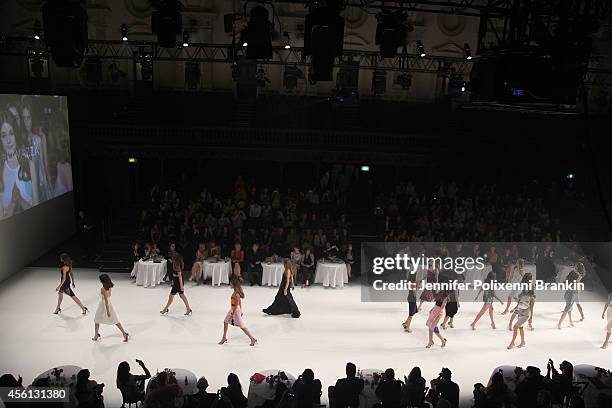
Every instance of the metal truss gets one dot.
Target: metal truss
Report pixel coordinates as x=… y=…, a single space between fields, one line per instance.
x=226 y=53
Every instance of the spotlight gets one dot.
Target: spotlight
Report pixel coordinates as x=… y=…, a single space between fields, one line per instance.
x=467 y=51
x=323 y=39
x=391 y=32
x=185 y=38
x=124 y=32
x=420 y=50
x=257 y=36
x=37 y=30
x=287 y=40
x=463 y=87
x=570 y=176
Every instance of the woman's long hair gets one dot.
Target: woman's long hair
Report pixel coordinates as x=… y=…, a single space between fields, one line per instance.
x=235 y=284
x=177 y=262
x=107 y=283
x=123 y=374
x=415 y=376
x=82 y=379
x=22 y=151
x=65 y=260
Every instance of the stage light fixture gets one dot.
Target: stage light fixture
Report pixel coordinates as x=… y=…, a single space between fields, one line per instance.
x=124 y=32
x=365 y=168
x=185 y=38
x=166 y=21
x=257 y=36
x=420 y=49
x=287 y=40
x=467 y=51
x=37 y=30
x=391 y=32
x=323 y=38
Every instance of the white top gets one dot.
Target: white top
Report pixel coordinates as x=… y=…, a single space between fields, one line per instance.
x=101 y=316
x=11 y=178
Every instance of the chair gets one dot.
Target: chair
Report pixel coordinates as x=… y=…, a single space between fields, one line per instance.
x=130 y=397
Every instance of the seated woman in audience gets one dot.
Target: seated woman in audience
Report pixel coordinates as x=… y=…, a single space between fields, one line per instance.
x=307 y=267
x=237 y=258
x=497 y=393
x=296 y=256
x=162 y=391
x=307 y=390
x=203 y=399
x=130 y=385
x=233 y=391
x=136 y=252
x=196 y=270
x=215 y=250
x=88 y=392
x=414 y=388
x=349 y=258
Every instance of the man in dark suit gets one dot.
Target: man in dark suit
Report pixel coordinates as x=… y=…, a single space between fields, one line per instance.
x=389 y=391
x=254 y=259
x=347 y=390
x=448 y=389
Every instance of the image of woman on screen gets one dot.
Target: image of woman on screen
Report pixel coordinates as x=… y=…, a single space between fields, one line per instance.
x=37 y=139
x=60 y=167
x=19 y=184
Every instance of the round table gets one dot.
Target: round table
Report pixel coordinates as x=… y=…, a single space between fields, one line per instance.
x=149 y=273
x=262 y=392
x=331 y=274
x=272 y=274
x=219 y=271
x=368 y=398
x=183 y=375
x=509 y=376
x=597 y=383
x=68 y=377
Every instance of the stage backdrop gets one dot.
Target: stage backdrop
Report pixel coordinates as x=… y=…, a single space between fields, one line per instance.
x=36 y=200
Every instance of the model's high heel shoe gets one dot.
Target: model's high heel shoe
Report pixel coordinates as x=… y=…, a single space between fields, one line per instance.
x=85 y=310
x=163 y=312
x=126 y=337
x=253 y=342
x=188 y=312
x=58 y=310
x=223 y=341
x=96 y=337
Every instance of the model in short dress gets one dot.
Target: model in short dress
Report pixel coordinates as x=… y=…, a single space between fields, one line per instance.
x=67 y=279
x=435 y=315
x=607 y=312
x=177 y=285
x=234 y=315
x=522 y=311
x=428 y=295
x=105 y=314
x=488 y=296
x=570 y=299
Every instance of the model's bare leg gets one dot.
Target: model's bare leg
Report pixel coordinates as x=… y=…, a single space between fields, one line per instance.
x=514 y=333
x=96 y=332
x=579 y=306
x=491 y=316
x=522 y=333
x=407 y=324
x=186 y=302
x=606 y=341
x=250 y=336
x=125 y=334
x=507 y=306
x=170 y=300
x=511 y=321
x=224 y=338
x=478 y=316
x=431 y=343
x=563 y=314
x=78 y=302
x=444 y=322
x=569 y=314
x=60 y=297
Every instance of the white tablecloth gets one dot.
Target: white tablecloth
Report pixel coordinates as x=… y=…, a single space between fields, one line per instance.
x=219 y=272
x=182 y=374
x=368 y=398
x=331 y=274
x=598 y=384
x=260 y=393
x=272 y=274
x=68 y=378
x=149 y=273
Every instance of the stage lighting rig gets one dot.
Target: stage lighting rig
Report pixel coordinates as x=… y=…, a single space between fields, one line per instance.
x=391 y=32
x=37 y=30
x=323 y=38
x=467 y=51
x=420 y=49
x=124 y=32
x=166 y=21
x=257 y=36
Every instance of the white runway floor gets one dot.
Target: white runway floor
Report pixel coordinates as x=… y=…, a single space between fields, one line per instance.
x=335 y=327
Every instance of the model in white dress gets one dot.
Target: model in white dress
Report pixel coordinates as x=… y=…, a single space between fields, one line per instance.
x=105 y=314
x=607 y=313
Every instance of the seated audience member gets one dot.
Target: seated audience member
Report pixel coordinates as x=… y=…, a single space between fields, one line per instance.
x=414 y=388
x=529 y=382
x=255 y=257
x=202 y=399
x=196 y=270
x=233 y=392
x=130 y=385
x=347 y=390
x=237 y=258
x=136 y=253
x=307 y=390
x=307 y=267
x=330 y=251
x=560 y=384
x=442 y=403
x=497 y=393
x=389 y=390
x=447 y=389
x=162 y=391
x=88 y=392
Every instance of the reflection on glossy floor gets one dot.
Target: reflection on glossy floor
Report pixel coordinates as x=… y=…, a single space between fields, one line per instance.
x=335 y=327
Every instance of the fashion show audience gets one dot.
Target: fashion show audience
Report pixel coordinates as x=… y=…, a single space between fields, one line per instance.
x=529 y=389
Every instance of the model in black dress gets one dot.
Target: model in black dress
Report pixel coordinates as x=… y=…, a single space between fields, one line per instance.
x=283 y=302
x=64 y=287
x=177 y=285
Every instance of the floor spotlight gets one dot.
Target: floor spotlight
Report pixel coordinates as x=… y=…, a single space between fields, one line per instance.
x=420 y=49
x=124 y=32
x=37 y=30
x=185 y=38
x=467 y=51
x=287 y=40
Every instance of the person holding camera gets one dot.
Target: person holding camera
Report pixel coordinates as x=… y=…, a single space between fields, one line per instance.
x=88 y=392
x=560 y=384
x=130 y=385
x=347 y=390
x=447 y=389
x=389 y=391
x=307 y=390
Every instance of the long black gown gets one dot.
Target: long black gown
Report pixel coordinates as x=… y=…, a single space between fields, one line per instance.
x=283 y=304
